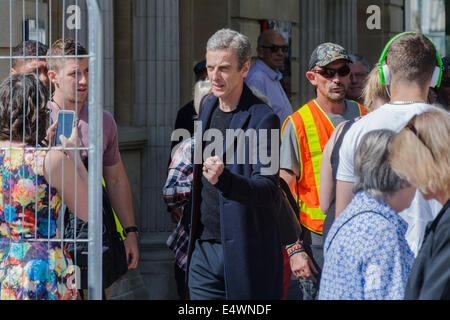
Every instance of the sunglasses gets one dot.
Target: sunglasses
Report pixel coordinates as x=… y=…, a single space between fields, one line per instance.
x=410 y=126
x=274 y=48
x=329 y=73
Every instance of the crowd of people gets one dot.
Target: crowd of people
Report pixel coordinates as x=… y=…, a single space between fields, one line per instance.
x=36 y=176
x=367 y=161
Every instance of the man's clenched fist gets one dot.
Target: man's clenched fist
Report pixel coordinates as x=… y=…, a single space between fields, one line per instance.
x=212 y=169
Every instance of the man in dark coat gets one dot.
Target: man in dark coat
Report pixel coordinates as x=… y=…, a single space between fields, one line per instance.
x=235 y=250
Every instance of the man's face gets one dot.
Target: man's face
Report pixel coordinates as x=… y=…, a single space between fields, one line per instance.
x=30 y=66
x=223 y=72
x=333 y=88
x=273 y=51
x=72 y=80
x=357 y=77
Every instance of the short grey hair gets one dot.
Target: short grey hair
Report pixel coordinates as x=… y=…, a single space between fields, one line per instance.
x=357 y=57
x=230 y=39
x=373 y=171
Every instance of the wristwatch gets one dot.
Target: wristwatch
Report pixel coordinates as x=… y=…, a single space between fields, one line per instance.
x=128 y=230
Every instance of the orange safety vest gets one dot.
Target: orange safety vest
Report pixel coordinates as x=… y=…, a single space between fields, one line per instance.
x=313 y=129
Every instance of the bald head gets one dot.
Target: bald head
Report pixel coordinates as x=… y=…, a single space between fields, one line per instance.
x=269 y=36
x=272 y=48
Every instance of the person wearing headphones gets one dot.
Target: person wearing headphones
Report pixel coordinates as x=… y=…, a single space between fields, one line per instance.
x=409 y=66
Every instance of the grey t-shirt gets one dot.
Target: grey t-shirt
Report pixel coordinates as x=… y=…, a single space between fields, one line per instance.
x=289 y=153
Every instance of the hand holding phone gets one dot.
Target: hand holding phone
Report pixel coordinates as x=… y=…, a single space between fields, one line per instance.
x=66 y=122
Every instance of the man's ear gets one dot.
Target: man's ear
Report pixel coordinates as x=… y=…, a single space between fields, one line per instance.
x=245 y=68
x=311 y=76
x=52 y=76
x=259 y=52
x=12 y=71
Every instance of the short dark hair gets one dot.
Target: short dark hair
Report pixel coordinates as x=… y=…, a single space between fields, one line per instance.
x=28 y=48
x=412 y=57
x=23 y=108
x=68 y=47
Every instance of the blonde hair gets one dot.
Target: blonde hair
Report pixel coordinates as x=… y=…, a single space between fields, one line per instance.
x=373 y=90
x=424 y=158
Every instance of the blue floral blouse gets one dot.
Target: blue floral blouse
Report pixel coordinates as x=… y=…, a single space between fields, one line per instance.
x=366 y=254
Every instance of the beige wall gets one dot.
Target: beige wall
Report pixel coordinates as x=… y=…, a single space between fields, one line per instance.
x=371 y=42
x=199 y=19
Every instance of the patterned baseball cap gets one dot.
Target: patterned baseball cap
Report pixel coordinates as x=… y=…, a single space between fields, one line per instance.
x=326 y=53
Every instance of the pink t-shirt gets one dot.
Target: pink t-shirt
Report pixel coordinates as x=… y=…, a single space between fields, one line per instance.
x=111 y=155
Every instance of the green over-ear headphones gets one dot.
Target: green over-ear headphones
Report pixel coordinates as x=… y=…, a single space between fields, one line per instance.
x=385 y=76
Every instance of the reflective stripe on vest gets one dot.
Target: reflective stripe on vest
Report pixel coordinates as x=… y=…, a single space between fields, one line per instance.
x=313 y=129
x=362 y=110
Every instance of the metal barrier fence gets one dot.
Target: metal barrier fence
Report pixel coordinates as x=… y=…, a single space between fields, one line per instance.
x=8 y=223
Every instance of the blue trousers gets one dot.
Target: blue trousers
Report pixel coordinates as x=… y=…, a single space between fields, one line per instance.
x=206 y=272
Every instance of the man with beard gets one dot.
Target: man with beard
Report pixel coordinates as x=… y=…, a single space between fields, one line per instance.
x=304 y=136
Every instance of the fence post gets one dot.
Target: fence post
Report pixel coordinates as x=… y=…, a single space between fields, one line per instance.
x=95 y=28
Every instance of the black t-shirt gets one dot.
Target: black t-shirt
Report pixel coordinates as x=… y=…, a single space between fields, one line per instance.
x=209 y=206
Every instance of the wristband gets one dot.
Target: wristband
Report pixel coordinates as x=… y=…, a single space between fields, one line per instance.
x=296 y=247
x=296 y=251
x=128 y=230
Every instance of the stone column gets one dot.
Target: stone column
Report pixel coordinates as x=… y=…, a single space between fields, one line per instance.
x=324 y=21
x=156 y=100
x=312 y=33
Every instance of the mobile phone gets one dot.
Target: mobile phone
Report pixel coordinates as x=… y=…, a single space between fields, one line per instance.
x=66 y=121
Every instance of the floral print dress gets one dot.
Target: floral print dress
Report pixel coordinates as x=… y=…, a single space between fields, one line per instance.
x=32 y=265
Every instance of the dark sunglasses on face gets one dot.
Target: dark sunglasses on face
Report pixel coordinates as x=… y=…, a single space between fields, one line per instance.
x=274 y=48
x=330 y=73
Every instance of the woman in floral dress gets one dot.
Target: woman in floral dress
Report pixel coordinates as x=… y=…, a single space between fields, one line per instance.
x=34 y=265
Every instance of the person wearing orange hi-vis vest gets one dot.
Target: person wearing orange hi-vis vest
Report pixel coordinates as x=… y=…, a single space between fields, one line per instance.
x=303 y=137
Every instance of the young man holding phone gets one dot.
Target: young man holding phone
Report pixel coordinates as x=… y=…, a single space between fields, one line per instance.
x=70 y=78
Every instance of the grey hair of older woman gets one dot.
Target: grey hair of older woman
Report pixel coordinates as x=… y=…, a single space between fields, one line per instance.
x=230 y=39
x=372 y=169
